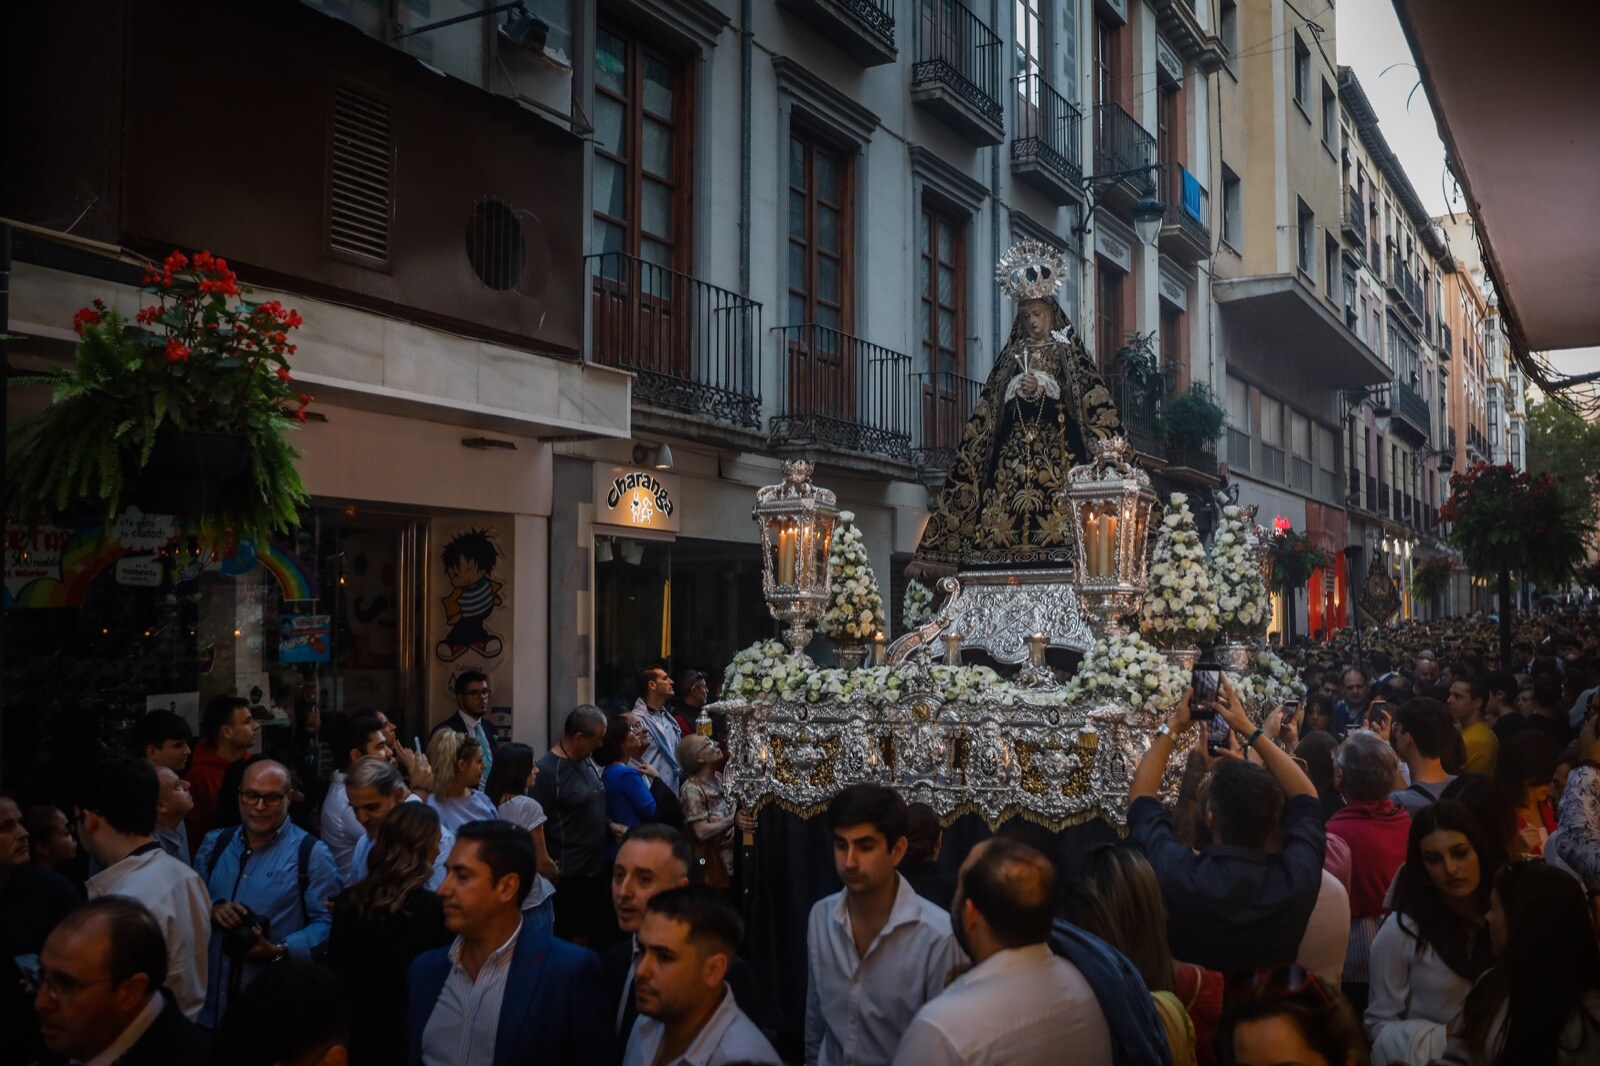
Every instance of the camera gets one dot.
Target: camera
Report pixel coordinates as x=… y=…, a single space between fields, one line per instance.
x=242 y=937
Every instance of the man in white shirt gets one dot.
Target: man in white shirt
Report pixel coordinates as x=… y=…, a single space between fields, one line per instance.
x=341 y=831
x=650 y=710
x=876 y=951
x=1020 y=1005
x=374 y=788
x=116 y=802
x=688 y=1016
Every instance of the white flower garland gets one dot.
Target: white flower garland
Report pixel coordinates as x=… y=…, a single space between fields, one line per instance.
x=1241 y=593
x=1273 y=682
x=855 y=607
x=1180 y=606
x=916 y=606
x=766 y=671
x=1131 y=670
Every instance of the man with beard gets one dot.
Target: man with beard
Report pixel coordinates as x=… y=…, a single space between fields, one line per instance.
x=1020 y=1003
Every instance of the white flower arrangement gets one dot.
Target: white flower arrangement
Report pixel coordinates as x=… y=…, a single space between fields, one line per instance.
x=1273 y=682
x=766 y=672
x=855 y=607
x=1241 y=593
x=1180 y=606
x=1131 y=670
x=916 y=606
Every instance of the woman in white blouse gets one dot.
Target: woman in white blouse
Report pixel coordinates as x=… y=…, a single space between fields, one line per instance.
x=457 y=763
x=1433 y=945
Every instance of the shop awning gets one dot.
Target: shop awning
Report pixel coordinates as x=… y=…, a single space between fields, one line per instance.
x=1514 y=97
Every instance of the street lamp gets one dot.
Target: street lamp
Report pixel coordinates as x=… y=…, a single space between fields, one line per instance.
x=1147 y=211
x=1147 y=216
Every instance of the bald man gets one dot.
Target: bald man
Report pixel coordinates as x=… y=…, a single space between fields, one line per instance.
x=1020 y=1004
x=269 y=882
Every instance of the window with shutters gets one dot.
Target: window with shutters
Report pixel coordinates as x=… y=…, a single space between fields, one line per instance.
x=820 y=231
x=1111 y=330
x=942 y=237
x=360 y=178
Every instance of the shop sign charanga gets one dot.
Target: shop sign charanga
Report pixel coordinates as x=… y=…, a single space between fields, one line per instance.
x=636 y=499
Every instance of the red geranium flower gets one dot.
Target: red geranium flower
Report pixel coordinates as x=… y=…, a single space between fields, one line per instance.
x=176 y=352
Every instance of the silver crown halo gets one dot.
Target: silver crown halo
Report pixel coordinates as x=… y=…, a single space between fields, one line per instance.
x=1030 y=270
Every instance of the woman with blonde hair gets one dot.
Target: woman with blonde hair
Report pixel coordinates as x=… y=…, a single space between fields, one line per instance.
x=383 y=922
x=457 y=763
x=1119 y=900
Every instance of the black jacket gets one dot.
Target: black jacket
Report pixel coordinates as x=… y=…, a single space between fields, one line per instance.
x=172 y=1040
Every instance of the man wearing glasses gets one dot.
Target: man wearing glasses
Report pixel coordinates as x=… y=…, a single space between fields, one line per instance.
x=269 y=881
x=472 y=705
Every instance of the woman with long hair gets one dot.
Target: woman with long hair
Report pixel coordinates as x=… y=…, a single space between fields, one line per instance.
x=1118 y=899
x=1527 y=769
x=1288 y=1015
x=1316 y=751
x=1490 y=804
x=1433 y=945
x=1540 y=1004
x=383 y=922
x=457 y=764
x=512 y=774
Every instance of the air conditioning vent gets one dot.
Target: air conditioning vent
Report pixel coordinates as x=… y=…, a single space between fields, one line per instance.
x=360 y=175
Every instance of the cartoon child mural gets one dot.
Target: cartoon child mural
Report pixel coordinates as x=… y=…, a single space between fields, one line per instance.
x=469 y=558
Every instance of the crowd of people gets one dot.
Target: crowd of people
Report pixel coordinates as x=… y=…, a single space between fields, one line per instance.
x=1401 y=868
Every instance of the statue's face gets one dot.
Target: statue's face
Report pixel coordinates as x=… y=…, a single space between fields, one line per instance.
x=1036 y=319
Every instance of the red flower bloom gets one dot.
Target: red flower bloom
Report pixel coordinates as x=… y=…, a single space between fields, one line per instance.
x=148 y=315
x=87 y=316
x=176 y=352
x=284 y=375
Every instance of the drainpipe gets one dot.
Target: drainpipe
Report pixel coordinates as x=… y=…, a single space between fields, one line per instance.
x=746 y=58
x=994 y=194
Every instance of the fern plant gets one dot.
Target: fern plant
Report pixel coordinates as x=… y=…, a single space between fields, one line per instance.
x=199 y=359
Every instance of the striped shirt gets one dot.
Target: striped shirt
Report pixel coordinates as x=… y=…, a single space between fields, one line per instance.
x=477 y=599
x=461 y=1030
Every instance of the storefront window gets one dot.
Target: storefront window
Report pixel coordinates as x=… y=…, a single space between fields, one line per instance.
x=103 y=625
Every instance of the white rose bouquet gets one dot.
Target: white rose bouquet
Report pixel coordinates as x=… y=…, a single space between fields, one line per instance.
x=1131 y=670
x=1273 y=682
x=855 y=607
x=1240 y=590
x=1180 y=605
x=916 y=606
x=750 y=675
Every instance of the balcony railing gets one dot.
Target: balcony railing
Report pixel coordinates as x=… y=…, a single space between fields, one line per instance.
x=692 y=345
x=1412 y=408
x=1354 y=221
x=1403 y=284
x=946 y=401
x=864 y=29
x=1372 y=494
x=1384 y=496
x=1138 y=401
x=1047 y=125
x=1120 y=143
x=1201 y=458
x=1188 y=206
x=957 y=51
x=842 y=393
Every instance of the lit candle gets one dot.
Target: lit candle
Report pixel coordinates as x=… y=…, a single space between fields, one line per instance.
x=1036 y=649
x=879 y=648
x=786 y=541
x=1108 y=546
x=1091 y=545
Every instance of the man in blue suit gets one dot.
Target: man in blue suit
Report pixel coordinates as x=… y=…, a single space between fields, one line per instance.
x=502 y=993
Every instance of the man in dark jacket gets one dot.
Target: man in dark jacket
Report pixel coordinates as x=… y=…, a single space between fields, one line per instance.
x=100 y=995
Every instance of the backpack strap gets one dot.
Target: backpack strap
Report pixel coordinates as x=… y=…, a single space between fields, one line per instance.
x=303 y=875
x=224 y=842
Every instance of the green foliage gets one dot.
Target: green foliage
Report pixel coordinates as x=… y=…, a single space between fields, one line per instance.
x=1193 y=419
x=1430 y=577
x=1563 y=445
x=1526 y=523
x=1294 y=559
x=194 y=362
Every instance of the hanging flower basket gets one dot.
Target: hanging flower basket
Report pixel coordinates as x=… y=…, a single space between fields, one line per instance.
x=185 y=411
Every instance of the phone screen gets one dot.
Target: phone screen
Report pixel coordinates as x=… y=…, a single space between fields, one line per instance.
x=1207 y=682
x=1376 y=710
x=1291 y=712
x=1217 y=735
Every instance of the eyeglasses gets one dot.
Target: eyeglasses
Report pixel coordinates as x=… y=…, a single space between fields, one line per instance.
x=59 y=986
x=477 y=694
x=263 y=799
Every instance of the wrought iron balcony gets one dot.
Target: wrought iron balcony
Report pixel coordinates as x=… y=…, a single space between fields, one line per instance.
x=1200 y=458
x=1120 y=143
x=1354 y=220
x=1411 y=412
x=843 y=394
x=946 y=402
x=1045 y=143
x=956 y=74
x=863 y=29
x=1138 y=401
x=692 y=345
x=1403 y=287
x=1186 y=229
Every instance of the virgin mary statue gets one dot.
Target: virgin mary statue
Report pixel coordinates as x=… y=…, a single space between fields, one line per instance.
x=1044 y=402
